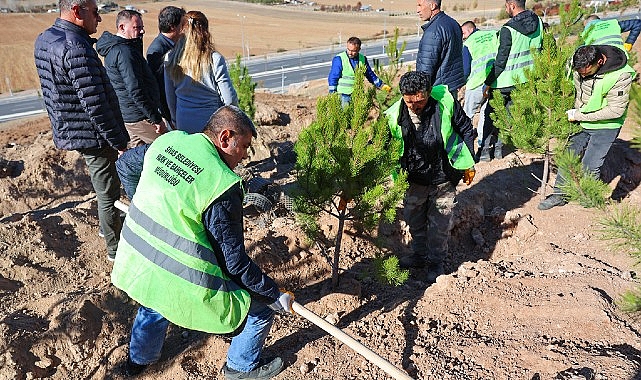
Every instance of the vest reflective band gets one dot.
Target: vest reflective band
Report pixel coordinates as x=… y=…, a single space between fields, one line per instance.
x=603 y=32
x=520 y=57
x=457 y=151
x=483 y=46
x=598 y=100
x=346 y=81
x=164 y=259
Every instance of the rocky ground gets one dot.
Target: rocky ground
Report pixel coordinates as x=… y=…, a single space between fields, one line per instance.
x=528 y=294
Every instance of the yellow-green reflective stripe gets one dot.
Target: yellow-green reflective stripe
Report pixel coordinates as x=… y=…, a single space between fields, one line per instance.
x=613 y=39
x=519 y=65
x=519 y=54
x=170 y=264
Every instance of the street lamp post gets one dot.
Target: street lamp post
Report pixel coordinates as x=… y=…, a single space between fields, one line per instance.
x=242 y=36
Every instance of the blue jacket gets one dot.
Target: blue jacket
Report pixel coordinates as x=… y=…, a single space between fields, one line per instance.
x=155 y=59
x=223 y=220
x=131 y=77
x=337 y=70
x=633 y=26
x=81 y=103
x=440 y=52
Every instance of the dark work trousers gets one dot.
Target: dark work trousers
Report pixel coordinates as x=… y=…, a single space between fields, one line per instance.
x=101 y=163
x=427 y=210
x=490 y=132
x=592 y=145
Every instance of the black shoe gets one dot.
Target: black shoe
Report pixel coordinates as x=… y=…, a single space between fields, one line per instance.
x=412 y=261
x=552 y=201
x=111 y=256
x=133 y=369
x=433 y=271
x=264 y=371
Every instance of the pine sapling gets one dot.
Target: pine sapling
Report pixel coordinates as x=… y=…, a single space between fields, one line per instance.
x=344 y=162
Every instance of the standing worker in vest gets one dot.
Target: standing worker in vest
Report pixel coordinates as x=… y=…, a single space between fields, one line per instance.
x=341 y=75
x=479 y=52
x=182 y=254
x=608 y=32
x=602 y=80
x=437 y=141
x=522 y=33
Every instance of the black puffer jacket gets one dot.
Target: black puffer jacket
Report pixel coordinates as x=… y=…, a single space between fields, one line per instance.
x=131 y=77
x=82 y=105
x=526 y=23
x=440 y=52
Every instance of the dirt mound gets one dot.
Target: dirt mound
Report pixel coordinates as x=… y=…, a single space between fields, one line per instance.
x=527 y=295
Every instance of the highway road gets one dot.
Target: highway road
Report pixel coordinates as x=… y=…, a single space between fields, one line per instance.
x=275 y=72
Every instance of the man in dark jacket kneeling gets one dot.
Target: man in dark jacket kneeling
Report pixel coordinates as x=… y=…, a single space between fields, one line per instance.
x=438 y=140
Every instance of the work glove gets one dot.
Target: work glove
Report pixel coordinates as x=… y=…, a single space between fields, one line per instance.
x=284 y=302
x=627 y=46
x=571 y=113
x=468 y=175
x=386 y=88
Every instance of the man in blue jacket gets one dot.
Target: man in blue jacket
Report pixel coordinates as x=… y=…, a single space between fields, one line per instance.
x=341 y=75
x=82 y=105
x=132 y=79
x=440 y=52
x=170 y=25
x=608 y=32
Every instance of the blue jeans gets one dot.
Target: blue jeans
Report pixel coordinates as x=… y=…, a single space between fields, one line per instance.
x=149 y=329
x=101 y=163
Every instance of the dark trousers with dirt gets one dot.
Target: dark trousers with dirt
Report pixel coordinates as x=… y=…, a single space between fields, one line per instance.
x=101 y=163
x=427 y=210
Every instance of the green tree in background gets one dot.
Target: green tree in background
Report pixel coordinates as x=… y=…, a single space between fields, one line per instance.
x=245 y=89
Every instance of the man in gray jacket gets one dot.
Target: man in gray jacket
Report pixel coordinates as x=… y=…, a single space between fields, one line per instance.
x=82 y=105
x=602 y=79
x=440 y=52
x=135 y=84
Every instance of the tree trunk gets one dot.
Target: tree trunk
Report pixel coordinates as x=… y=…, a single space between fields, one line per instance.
x=546 y=172
x=337 y=247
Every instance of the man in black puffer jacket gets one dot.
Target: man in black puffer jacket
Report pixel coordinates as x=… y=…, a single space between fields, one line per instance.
x=82 y=105
x=440 y=52
x=132 y=78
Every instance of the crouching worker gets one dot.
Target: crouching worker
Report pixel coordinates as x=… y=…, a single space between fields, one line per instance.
x=437 y=141
x=182 y=254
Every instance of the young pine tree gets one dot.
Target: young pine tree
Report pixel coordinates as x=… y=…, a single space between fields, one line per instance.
x=389 y=73
x=344 y=165
x=242 y=82
x=537 y=115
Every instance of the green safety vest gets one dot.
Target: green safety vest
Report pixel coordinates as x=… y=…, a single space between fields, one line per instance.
x=457 y=151
x=603 y=32
x=520 y=57
x=346 y=81
x=598 y=100
x=483 y=46
x=164 y=259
